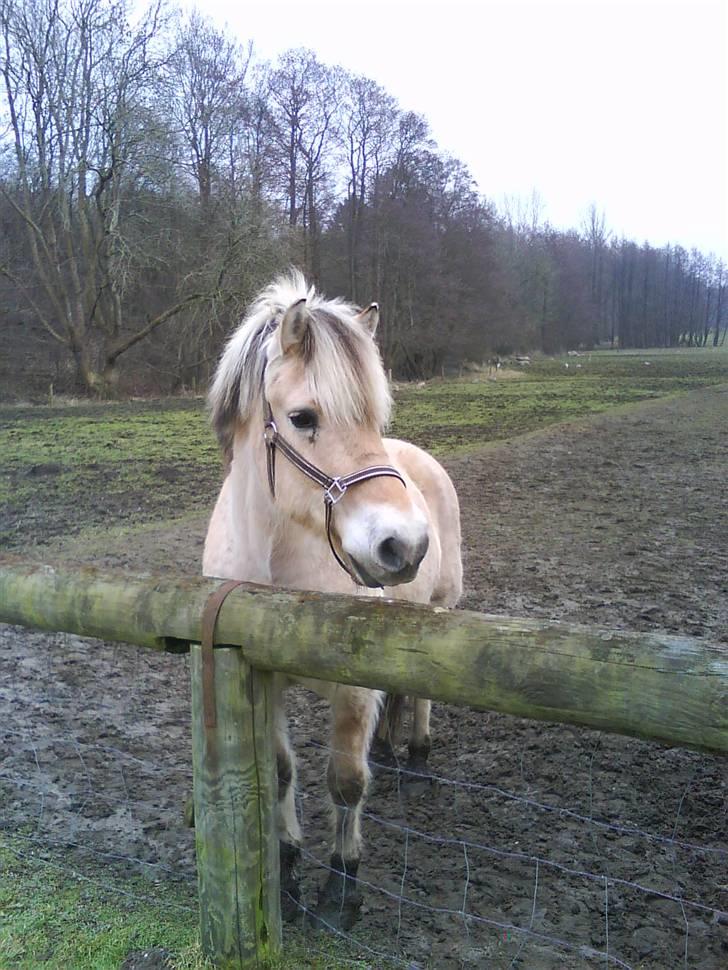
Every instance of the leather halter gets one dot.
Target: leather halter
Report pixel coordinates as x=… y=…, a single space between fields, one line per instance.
x=334 y=487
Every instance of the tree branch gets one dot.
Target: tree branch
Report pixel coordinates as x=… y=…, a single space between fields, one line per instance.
x=8 y=274
x=130 y=341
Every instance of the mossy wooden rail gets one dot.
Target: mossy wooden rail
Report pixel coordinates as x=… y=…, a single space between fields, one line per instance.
x=649 y=685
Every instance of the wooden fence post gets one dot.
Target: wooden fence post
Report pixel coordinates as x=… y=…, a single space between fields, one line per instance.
x=235 y=793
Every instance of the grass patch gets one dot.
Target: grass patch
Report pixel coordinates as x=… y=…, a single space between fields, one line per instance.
x=68 y=469
x=450 y=417
x=59 y=919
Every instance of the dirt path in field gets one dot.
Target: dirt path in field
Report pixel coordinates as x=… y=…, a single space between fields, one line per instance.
x=594 y=844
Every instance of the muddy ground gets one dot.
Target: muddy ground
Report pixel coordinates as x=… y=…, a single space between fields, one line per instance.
x=541 y=846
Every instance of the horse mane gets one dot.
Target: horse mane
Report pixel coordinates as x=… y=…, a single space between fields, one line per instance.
x=341 y=360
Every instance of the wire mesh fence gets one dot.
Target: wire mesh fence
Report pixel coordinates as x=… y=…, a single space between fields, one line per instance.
x=528 y=845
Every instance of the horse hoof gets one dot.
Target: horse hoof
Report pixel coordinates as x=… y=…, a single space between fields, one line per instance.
x=291 y=906
x=335 y=917
x=382 y=755
x=340 y=899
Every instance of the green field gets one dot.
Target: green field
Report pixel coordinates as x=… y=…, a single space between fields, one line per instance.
x=68 y=468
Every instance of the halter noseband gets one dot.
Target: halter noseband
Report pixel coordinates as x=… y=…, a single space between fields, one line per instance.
x=334 y=487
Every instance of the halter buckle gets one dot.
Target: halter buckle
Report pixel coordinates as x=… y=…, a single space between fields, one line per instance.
x=335 y=492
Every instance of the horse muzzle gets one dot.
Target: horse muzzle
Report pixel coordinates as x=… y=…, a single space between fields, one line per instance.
x=392 y=560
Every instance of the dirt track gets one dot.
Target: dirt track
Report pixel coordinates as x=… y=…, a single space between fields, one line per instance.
x=619 y=521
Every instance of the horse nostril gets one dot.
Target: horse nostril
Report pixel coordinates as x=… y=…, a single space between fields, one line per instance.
x=392 y=554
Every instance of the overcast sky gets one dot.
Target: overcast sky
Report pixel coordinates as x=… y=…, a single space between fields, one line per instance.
x=623 y=103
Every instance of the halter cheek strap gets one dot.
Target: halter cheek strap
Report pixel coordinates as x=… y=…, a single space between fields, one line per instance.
x=334 y=487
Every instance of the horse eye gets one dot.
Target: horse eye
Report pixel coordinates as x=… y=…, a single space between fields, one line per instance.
x=304 y=420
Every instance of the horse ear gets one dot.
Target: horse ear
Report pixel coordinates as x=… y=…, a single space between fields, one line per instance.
x=369 y=318
x=294 y=325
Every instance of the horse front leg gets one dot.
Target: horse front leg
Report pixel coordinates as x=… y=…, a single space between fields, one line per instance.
x=382 y=752
x=420 y=741
x=354 y=716
x=289 y=829
x=416 y=781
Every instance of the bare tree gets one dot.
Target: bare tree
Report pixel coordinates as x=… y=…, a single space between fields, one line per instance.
x=149 y=170
x=77 y=85
x=720 y=293
x=303 y=98
x=597 y=236
x=366 y=134
x=207 y=75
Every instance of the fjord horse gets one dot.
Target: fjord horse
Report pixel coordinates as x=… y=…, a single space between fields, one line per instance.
x=316 y=499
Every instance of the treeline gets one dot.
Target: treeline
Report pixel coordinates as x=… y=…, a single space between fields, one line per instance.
x=154 y=174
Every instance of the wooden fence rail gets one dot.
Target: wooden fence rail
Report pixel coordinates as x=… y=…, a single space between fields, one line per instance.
x=649 y=685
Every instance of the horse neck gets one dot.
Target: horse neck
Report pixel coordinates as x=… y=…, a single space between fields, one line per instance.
x=251 y=512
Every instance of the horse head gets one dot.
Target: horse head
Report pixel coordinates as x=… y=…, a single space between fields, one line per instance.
x=305 y=376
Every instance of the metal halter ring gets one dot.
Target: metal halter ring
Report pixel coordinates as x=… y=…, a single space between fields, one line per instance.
x=270 y=431
x=335 y=492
